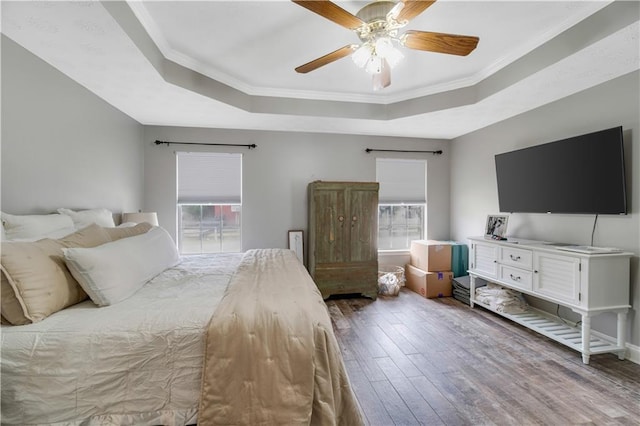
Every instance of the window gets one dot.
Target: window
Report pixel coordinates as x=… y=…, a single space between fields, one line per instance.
x=209 y=202
x=402 y=205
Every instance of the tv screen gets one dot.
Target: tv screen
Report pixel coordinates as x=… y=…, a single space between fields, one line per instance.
x=583 y=174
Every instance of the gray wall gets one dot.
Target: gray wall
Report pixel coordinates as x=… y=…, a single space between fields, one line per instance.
x=473 y=179
x=61 y=145
x=276 y=174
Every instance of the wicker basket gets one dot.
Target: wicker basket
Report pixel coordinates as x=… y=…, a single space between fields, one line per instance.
x=390 y=279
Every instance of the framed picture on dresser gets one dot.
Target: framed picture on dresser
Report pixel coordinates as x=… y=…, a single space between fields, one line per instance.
x=496 y=226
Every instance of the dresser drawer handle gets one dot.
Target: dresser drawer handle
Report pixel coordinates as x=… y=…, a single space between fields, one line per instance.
x=515 y=278
x=514 y=258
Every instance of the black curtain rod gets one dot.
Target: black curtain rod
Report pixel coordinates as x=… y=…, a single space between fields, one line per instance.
x=368 y=150
x=253 y=145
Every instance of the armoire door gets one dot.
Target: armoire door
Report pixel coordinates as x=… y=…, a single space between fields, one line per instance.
x=363 y=218
x=330 y=238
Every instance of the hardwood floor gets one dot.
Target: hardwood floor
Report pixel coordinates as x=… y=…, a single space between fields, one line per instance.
x=413 y=360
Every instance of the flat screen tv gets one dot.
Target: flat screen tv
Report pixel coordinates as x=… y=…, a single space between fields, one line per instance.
x=583 y=175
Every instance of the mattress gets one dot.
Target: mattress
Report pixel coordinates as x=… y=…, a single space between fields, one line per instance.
x=136 y=362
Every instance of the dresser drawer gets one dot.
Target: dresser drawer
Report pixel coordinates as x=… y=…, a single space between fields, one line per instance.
x=516 y=257
x=516 y=277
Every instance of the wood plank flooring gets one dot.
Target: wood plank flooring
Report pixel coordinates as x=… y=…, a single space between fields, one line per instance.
x=413 y=360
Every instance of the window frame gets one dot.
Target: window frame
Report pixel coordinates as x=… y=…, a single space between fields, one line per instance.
x=423 y=208
x=411 y=183
x=206 y=198
x=220 y=230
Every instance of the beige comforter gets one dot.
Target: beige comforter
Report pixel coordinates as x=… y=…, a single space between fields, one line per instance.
x=271 y=355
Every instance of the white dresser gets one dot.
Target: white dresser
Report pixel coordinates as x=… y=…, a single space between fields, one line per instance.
x=588 y=284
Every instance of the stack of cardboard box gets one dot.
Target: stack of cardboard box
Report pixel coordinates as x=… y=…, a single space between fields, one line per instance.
x=429 y=273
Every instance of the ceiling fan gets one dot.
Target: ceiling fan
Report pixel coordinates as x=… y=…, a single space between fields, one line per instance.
x=377 y=25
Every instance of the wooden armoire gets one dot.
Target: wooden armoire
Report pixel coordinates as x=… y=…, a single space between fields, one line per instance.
x=343 y=237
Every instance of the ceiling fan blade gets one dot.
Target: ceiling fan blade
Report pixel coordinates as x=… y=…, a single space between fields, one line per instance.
x=327 y=59
x=332 y=12
x=413 y=8
x=452 y=44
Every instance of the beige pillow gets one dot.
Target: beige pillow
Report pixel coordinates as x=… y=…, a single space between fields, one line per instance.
x=36 y=282
x=3 y=321
x=129 y=231
x=11 y=307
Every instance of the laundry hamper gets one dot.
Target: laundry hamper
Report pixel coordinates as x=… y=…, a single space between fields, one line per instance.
x=390 y=279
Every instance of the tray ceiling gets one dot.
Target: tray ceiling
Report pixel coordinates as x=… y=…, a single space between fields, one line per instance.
x=230 y=64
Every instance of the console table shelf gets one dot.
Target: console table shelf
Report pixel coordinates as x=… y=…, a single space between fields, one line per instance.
x=558 y=330
x=588 y=284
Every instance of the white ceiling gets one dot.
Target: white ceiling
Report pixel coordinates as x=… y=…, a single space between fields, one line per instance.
x=230 y=64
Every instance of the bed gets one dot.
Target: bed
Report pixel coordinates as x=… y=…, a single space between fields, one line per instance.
x=215 y=339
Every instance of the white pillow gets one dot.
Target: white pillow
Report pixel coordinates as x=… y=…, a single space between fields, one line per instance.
x=84 y=218
x=35 y=227
x=114 y=271
x=126 y=225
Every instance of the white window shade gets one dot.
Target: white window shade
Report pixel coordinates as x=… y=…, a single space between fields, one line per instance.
x=401 y=181
x=209 y=178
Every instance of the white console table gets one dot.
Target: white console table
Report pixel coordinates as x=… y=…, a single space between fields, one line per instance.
x=588 y=284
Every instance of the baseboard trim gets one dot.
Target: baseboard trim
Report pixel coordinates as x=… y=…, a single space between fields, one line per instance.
x=633 y=353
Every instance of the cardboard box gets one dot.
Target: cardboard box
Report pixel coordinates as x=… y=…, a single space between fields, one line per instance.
x=430 y=255
x=428 y=284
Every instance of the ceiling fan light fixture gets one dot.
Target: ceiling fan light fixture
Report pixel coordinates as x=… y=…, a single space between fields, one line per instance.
x=372 y=53
x=362 y=54
x=385 y=48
